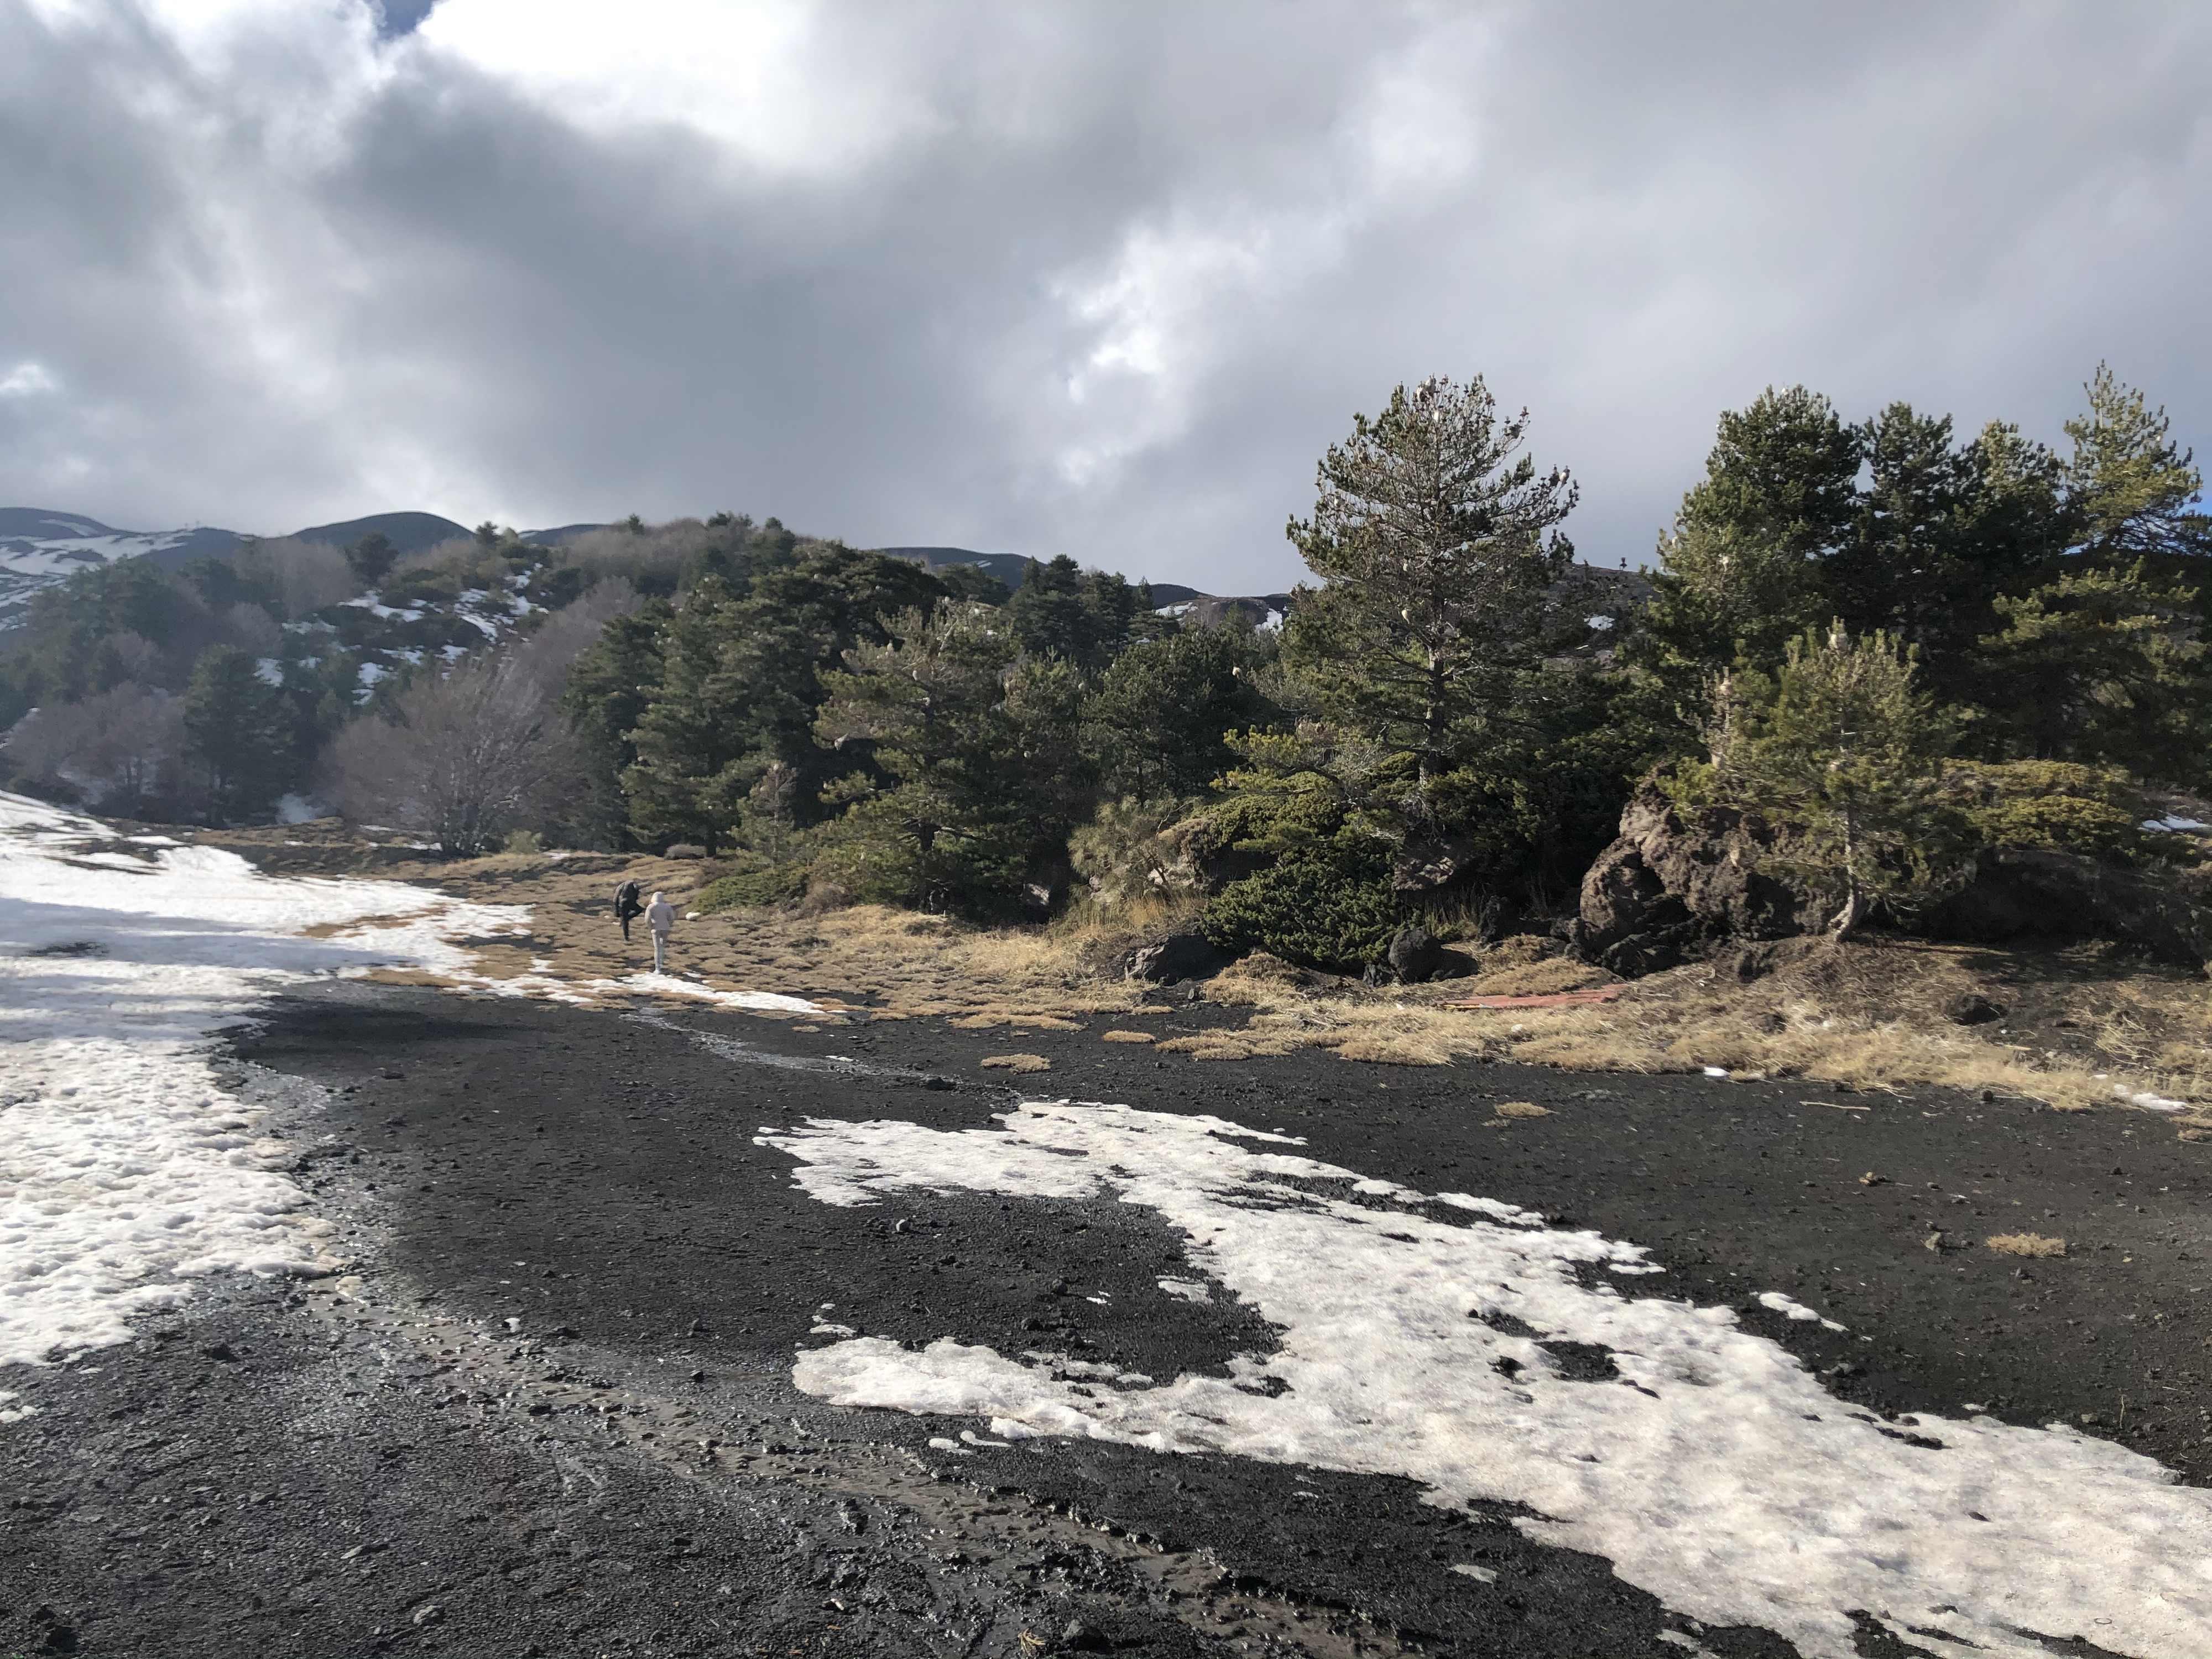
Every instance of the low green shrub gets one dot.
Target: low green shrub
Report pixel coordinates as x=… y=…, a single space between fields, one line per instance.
x=751 y=889
x=2057 y=805
x=1327 y=905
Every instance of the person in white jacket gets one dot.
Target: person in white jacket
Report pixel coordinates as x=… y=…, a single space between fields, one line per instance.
x=660 y=916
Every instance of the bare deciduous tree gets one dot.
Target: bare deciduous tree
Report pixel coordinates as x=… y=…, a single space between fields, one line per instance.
x=471 y=755
x=301 y=576
x=572 y=630
x=119 y=750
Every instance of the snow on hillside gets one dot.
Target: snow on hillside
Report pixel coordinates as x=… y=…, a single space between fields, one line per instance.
x=39 y=549
x=125 y=1171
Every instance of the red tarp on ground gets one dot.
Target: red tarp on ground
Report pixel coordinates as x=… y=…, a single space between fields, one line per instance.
x=1552 y=1000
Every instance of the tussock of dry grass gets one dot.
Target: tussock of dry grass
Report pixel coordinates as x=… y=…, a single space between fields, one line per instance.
x=1126 y=1036
x=1521 y=1109
x=1387 y=1050
x=1535 y=979
x=2031 y=1244
x=1016 y=1063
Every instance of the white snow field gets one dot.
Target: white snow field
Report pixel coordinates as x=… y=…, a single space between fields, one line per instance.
x=125 y=1171
x=1713 y=1471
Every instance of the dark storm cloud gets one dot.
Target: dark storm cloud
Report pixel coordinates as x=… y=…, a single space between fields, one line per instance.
x=1097 y=280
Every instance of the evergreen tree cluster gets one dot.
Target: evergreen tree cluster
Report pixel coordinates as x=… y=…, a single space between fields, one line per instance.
x=1904 y=646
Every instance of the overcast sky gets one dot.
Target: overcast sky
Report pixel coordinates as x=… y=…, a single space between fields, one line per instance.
x=1100 y=279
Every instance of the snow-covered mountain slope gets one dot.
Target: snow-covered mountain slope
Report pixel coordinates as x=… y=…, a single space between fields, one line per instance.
x=38 y=548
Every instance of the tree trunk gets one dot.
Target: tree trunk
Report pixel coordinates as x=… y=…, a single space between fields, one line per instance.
x=1432 y=724
x=1847 y=919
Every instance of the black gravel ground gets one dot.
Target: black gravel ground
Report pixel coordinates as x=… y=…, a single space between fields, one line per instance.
x=551 y=1412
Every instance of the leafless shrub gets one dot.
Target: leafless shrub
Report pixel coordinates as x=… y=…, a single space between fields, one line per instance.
x=469 y=757
x=141 y=658
x=253 y=630
x=119 y=749
x=651 y=557
x=301 y=576
x=546 y=655
x=462 y=552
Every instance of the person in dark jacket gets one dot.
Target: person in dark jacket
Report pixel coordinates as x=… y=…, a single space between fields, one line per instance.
x=627 y=905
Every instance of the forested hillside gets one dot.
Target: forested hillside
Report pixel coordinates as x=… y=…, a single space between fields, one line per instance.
x=1895 y=645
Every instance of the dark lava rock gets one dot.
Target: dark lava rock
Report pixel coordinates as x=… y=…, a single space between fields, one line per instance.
x=1496 y=917
x=1681 y=882
x=1433 y=862
x=1415 y=955
x=1184 y=954
x=1678 y=881
x=2023 y=892
x=1972 y=1008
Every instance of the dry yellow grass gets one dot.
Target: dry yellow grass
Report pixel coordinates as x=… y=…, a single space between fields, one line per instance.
x=1387 y=1049
x=2031 y=1244
x=1126 y=1036
x=1016 y=1063
x=1521 y=1109
x=2082 y=1029
x=1533 y=979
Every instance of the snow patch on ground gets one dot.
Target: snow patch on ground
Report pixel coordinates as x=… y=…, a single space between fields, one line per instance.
x=2150 y=1102
x=125 y=1171
x=1712 y=1470
x=1797 y=1311
x=586 y=992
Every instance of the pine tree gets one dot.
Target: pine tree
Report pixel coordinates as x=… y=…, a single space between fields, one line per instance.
x=934 y=818
x=2102 y=667
x=1439 y=550
x=1741 y=567
x=698 y=740
x=371 y=558
x=1160 y=718
x=2133 y=491
x=1843 y=745
x=240 y=732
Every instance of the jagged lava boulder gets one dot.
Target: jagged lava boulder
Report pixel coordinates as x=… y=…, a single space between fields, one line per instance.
x=1415 y=955
x=1678 y=881
x=1183 y=954
x=1681 y=883
x=2020 y=893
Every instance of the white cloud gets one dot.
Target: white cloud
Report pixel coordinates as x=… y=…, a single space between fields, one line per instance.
x=27 y=379
x=1102 y=279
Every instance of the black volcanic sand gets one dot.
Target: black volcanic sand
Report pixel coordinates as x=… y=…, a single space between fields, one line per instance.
x=280 y=1470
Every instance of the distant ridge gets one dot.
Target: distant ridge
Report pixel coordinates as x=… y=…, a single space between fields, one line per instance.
x=1008 y=568
x=560 y=535
x=408 y=532
x=166 y=548
x=39 y=547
